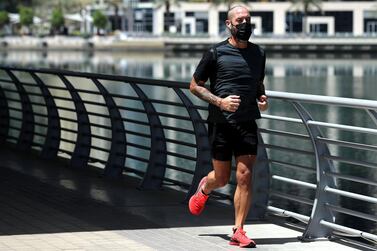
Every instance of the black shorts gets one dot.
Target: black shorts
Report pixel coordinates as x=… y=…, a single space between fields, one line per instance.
x=227 y=139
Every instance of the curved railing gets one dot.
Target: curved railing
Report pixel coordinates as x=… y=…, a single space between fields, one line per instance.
x=330 y=169
x=155 y=130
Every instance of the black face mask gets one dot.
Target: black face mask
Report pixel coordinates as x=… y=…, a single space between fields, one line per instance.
x=241 y=31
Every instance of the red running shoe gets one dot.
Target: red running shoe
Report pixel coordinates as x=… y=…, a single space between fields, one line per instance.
x=199 y=199
x=239 y=238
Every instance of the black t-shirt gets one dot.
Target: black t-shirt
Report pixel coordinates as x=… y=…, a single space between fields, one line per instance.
x=233 y=71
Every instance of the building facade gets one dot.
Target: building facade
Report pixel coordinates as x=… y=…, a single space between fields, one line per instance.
x=333 y=18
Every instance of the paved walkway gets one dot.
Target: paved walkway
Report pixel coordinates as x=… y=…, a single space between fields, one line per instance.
x=47 y=206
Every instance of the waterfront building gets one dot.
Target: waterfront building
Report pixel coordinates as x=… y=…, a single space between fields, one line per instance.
x=269 y=18
x=334 y=18
x=203 y=19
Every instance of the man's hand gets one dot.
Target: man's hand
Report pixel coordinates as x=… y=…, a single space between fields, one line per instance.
x=230 y=103
x=262 y=103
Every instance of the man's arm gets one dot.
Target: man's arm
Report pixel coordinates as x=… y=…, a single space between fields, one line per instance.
x=262 y=98
x=261 y=90
x=203 y=93
x=229 y=103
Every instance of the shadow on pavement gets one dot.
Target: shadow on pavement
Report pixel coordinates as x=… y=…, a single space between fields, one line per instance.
x=41 y=196
x=260 y=241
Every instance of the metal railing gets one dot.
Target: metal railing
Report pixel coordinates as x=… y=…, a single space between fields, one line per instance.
x=326 y=204
x=155 y=130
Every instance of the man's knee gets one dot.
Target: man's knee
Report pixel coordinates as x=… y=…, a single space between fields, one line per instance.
x=244 y=177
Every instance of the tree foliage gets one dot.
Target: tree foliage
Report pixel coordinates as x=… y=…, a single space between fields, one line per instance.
x=4 y=18
x=26 y=16
x=99 y=20
x=57 y=18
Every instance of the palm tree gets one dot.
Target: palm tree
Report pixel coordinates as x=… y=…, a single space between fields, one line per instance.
x=99 y=20
x=116 y=4
x=57 y=21
x=26 y=18
x=42 y=7
x=167 y=3
x=66 y=5
x=305 y=6
x=4 y=18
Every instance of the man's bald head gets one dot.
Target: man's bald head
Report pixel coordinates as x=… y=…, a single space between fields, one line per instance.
x=236 y=8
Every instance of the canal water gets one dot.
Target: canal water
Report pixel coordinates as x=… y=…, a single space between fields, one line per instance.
x=351 y=76
x=331 y=75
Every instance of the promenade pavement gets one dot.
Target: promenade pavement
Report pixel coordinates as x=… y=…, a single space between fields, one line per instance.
x=47 y=206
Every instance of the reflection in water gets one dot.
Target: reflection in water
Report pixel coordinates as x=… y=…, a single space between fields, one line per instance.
x=354 y=78
x=339 y=77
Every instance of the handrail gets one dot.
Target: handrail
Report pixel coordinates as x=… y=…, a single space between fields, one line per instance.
x=140 y=81
x=169 y=143
x=326 y=100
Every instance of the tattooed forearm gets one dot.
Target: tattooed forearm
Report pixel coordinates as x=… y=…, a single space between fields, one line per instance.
x=204 y=94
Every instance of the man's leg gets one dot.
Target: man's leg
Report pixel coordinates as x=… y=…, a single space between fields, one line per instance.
x=242 y=196
x=242 y=199
x=221 y=160
x=219 y=177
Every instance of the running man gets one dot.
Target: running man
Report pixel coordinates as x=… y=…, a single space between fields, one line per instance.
x=236 y=95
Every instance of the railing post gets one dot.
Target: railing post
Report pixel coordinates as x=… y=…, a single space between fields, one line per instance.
x=25 y=139
x=203 y=152
x=4 y=116
x=320 y=211
x=157 y=158
x=373 y=115
x=81 y=153
x=51 y=146
x=117 y=157
x=261 y=183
